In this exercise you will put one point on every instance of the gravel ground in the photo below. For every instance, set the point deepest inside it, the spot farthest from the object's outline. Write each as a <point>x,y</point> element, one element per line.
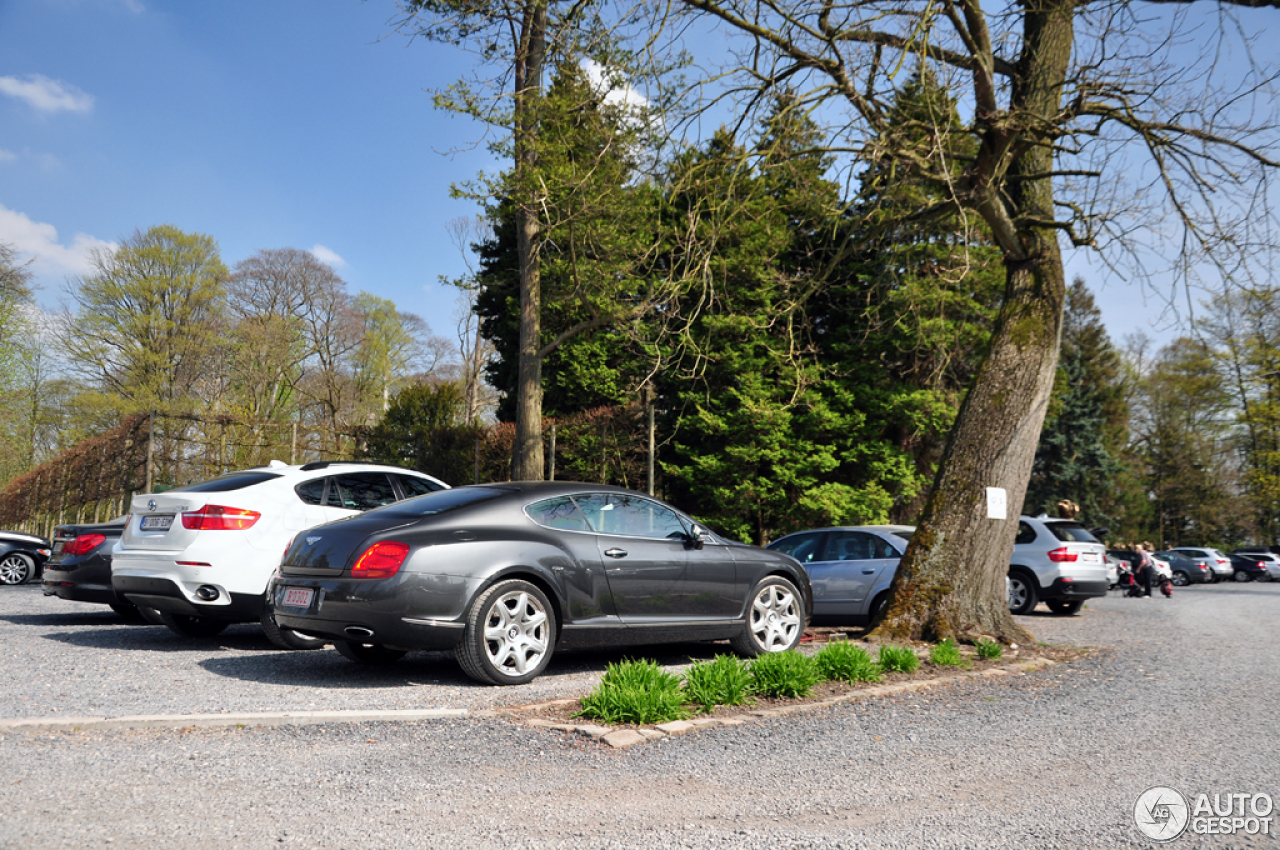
<point>1184,693</point>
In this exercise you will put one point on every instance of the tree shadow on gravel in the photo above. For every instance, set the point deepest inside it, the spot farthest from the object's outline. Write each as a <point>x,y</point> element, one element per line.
<point>160,639</point>
<point>70,618</point>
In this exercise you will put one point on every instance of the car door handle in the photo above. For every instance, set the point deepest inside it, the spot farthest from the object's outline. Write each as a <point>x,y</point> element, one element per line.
<point>616,553</point>
<point>867,572</point>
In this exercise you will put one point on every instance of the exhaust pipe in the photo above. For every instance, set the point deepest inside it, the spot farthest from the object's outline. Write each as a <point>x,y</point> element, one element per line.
<point>358,632</point>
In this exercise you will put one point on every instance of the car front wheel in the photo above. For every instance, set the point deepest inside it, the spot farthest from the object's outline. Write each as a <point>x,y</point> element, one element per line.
<point>16,568</point>
<point>775,619</point>
<point>509,635</point>
<point>1065,607</point>
<point>193,627</point>
<point>1241,576</point>
<point>1022,593</point>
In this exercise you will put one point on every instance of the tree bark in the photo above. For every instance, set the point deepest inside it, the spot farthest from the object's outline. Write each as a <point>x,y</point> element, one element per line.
<point>951,582</point>
<point>526,456</point>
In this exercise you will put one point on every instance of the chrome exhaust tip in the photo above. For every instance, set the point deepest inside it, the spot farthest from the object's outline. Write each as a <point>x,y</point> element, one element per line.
<point>358,632</point>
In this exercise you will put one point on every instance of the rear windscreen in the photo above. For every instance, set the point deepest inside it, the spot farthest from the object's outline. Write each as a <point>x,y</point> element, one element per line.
<point>1071,532</point>
<point>227,483</point>
<point>441,501</point>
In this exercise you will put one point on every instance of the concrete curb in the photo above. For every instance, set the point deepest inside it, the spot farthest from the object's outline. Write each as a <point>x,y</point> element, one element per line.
<point>251,718</point>
<point>628,737</point>
<point>616,738</point>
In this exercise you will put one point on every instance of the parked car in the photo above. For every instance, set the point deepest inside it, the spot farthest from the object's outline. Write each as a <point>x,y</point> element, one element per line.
<point>1187,570</point>
<point>1270,559</point>
<point>202,555</point>
<point>1057,561</point>
<point>1162,565</point>
<point>1219,563</point>
<point>504,574</point>
<point>1249,566</point>
<point>850,568</point>
<point>22,556</point>
<point>80,568</point>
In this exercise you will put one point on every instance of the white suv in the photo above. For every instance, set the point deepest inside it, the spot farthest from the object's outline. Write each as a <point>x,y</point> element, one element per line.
<point>202,555</point>
<point>1057,561</point>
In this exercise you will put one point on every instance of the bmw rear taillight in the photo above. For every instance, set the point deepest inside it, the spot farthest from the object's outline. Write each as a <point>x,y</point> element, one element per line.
<point>381,560</point>
<point>84,544</point>
<point>1060,555</point>
<point>219,518</point>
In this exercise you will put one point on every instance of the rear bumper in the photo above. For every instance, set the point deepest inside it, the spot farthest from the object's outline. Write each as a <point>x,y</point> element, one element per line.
<point>1067,589</point>
<point>90,582</point>
<point>167,595</point>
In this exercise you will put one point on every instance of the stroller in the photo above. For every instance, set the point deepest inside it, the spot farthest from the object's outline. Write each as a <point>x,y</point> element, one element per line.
<point>1166,586</point>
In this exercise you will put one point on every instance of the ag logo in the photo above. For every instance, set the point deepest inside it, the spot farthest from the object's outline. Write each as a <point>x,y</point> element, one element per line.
<point>151,505</point>
<point>1161,813</point>
<point>311,540</point>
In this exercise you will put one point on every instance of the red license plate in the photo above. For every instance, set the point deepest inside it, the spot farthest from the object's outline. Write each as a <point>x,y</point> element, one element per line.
<point>298,597</point>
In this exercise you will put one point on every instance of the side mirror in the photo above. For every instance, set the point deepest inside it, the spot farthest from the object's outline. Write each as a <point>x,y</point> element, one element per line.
<point>697,536</point>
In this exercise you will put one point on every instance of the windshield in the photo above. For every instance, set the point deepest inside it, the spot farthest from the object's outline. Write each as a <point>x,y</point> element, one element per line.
<point>440,501</point>
<point>227,483</point>
<point>1071,532</point>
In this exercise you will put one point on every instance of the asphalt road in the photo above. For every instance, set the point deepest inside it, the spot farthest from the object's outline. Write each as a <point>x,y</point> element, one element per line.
<point>1183,693</point>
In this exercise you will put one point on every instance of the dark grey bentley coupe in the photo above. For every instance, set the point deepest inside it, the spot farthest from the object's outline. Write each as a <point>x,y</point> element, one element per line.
<point>503,574</point>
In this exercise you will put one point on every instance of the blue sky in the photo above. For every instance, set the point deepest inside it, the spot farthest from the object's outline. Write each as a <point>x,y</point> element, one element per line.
<point>270,124</point>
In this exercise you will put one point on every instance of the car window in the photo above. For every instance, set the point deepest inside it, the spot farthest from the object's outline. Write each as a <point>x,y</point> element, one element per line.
<point>1071,532</point>
<point>227,483</point>
<point>1194,553</point>
<point>362,491</point>
<point>883,548</point>
<point>311,492</point>
<point>851,546</point>
<point>412,486</point>
<point>614,513</point>
<point>803,547</point>
<point>1026,534</point>
<point>559,512</point>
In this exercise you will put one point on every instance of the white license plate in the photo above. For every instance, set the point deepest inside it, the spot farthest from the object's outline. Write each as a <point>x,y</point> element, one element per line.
<point>298,597</point>
<point>1092,556</point>
<point>157,523</point>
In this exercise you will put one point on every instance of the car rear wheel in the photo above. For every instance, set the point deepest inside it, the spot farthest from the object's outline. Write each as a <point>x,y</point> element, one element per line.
<point>509,635</point>
<point>1065,607</point>
<point>127,610</point>
<point>1241,576</point>
<point>1022,593</point>
<point>193,627</point>
<point>775,619</point>
<point>16,568</point>
<point>369,654</point>
<point>1181,579</point>
<point>287,638</point>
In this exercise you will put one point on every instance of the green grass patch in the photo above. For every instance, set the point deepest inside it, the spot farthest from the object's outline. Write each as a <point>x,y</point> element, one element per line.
<point>989,650</point>
<point>784,674</point>
<point>845,662</point>
<point>947,654</point>
<point>636,692</point>
<point>725,680</point>
<point>898,659</point>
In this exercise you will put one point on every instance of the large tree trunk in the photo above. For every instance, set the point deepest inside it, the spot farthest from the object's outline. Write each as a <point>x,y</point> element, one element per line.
<point>526,456</point>
<point>951,582</point>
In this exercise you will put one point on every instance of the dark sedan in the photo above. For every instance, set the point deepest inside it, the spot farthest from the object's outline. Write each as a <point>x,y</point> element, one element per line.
<point>21,556</point>
<point>80,569</point>
<point>1249,567</point>
<point>503,574</point>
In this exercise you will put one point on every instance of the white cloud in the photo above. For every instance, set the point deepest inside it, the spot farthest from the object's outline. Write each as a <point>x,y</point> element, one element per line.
<point>40,241</point>
<point>46,95</point>
<point>7,156</point>
<point>328,255</point>
<point>615,90</point>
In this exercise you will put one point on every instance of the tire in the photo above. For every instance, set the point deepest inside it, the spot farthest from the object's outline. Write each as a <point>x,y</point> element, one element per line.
<point>368,654</point>
<point>1023,595</point>
<point>16,568</point>
<point>509,636</point>
<point>193,627</point>
<point>127,610</point>
<point>876,605</point>
<point>775,619</point>
<point>151,615</point>
<point>1181,579</point>
<point>1065,607</point>
<point>1240,576</point>
<point>286,638</point>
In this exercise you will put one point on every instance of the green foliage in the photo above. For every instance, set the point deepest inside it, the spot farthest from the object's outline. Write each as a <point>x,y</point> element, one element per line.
<point>725,680</point>
<point>784,674</point>
<point>846,662</point>
<point>424,430</point>
<point>898,659</point>
<point>989,650</point>
<point>947,654</point>
<point>635,692</point>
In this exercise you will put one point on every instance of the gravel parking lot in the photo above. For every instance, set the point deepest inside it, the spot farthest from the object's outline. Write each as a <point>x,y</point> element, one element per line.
<point>1184,693</point>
